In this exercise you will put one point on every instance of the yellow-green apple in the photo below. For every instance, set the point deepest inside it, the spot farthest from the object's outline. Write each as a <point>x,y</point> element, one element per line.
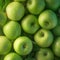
<point>23,45</point>
<point>15,11</point>
<point>43,38</point>
<point>56,46</point>
<point>12,30</point>
<point>5,45</point>
<point>3,18</point>
<point>35,6</point>
<point>53,4</point>
<point>44,54</point>
<point>30,24</point>
<point>12,56</point>
<point>47,19</point>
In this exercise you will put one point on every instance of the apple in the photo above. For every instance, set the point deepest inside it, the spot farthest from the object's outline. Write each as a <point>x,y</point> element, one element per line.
<point>23,45</point>
<point>44,54</point>
<point>56,46</point>
<point>12,56</point>
<point>35,6</point>
<point>53,4</point>
<point>43,38</point>
<point>15,11</point>
<point>30,24</point>
<point>5,45</point>
<point>12,30</point>
<point>47,19</point>
<point>3,18</point>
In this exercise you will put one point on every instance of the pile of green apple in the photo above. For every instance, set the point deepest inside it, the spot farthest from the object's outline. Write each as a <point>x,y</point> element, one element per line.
<point>30,30</point>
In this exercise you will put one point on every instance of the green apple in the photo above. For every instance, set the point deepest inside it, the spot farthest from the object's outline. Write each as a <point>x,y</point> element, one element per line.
<point>43,38</point>
<point>53,4</point>
<point>56,47</point>
<point>12,30</point>
<point>48,19</point>
<point>30,24</point>
<point>5,45</point>
<point>35,6</point>
<point>44,54</point>
<point>12,56</point>
<point>3,18</point>
<point>23,45</point>
<point>15,11</point>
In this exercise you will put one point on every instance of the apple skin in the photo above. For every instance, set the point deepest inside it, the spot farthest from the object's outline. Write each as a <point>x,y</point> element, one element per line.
<point>47,19</point>
<point>43,38</point>
<point>5,45</point>
<point>35,6</point>
<point>12,56</point>
<point>23,45</point>
<point>44,54</point>
<point>15,11</point>
<point>3,18</point>
<point>30,24</point>
<point>12,30</point>
<point>53,4</point>
<point>56,47</point>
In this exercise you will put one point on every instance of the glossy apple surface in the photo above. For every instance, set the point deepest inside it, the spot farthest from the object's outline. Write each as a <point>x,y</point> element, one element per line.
<point>15,11</point>
<point>23,45</point>
<point>56,47</point>
<point>35,6</point>
<point>12,30</point>
<point>53,4</point>
<point>43,38</point>
<point>47,19</point>
<point>5,45</point>
<point>30,24</point>
<point>12,56</point>
<point>3,18</point>
<point>44,54</point>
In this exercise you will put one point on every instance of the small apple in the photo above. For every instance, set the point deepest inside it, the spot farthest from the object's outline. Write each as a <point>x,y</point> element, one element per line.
<point>43,38</point>
<point>12,56</point>
<point>35,6</point>
<point>15,11</point>
<point>56,47</point>
<point>53,4</point>
<point>5,45</point>
<point>48,19</point>
<point>12,30</point>
<point>44,54</point>
<point>30,24</point>
<point>3,18</point>
<point>23,45</point>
